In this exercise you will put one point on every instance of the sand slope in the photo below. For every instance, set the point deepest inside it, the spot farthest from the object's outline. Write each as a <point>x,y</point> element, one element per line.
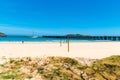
<point>77,49</point>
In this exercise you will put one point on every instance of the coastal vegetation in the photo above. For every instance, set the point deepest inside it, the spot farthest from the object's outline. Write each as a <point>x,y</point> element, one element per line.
<point>60,68</point>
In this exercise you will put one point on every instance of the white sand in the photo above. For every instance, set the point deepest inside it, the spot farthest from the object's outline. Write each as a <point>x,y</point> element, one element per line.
<point>77,49</point>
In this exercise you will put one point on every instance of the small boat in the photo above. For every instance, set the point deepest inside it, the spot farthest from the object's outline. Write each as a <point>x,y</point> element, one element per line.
<point>34,36</point>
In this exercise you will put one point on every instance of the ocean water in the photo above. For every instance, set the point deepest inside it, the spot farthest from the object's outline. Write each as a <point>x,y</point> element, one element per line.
<point>39,39</point>
<point>23,38</point>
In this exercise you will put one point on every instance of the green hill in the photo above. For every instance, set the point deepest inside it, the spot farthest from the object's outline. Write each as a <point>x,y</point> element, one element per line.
<point>60,68</point>
<point>2,34</point>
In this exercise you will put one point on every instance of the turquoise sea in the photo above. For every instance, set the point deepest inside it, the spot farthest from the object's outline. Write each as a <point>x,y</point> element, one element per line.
<point>41,39</point>
<point>34,39</point>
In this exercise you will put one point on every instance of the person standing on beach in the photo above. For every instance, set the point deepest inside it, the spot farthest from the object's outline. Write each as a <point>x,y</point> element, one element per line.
<point>22,42</point>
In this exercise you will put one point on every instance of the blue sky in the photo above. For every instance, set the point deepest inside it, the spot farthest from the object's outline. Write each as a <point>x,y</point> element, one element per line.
<point>94,17</point>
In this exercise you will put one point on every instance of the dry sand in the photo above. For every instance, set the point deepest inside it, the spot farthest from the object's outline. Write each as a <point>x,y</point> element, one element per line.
<point>93,50</point>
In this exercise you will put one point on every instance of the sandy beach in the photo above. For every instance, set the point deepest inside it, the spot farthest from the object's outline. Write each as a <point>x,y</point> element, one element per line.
<point>93,50</point>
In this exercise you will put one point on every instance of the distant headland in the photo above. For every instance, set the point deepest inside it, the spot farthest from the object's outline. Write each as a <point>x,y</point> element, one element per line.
<point>68,35</point>
<point>2,34</point>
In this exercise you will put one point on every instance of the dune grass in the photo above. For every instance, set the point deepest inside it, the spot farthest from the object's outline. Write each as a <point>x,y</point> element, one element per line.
<point>60,68</point>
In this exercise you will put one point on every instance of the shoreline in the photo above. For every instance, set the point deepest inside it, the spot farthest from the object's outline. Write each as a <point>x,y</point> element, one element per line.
<point>92,50</point>
<point>63,41</point>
